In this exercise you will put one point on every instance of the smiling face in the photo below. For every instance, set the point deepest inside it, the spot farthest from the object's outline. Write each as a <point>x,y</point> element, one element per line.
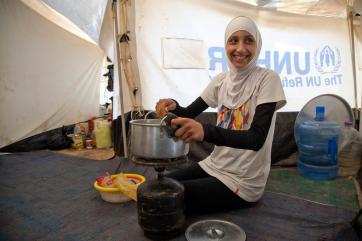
<point>240,48</point>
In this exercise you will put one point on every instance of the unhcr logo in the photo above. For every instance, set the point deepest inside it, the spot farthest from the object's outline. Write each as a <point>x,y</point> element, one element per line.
<point>327,60</point>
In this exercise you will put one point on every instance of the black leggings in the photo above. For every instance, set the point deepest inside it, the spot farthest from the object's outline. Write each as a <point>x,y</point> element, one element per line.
<point>205,193</point>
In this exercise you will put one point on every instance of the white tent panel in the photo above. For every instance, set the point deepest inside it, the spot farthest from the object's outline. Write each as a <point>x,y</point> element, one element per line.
<point>324,8</point>
<point>311,54</point>
<point>48,76</point>
<point>86,14</point>
<point>54,16</point>
<point>188,51</point>
<point>50,64</point>
<point>106,38</point>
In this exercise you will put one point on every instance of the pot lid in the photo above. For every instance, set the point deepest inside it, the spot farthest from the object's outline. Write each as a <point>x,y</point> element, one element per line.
<point>214,230</point>
<point>337,110</point>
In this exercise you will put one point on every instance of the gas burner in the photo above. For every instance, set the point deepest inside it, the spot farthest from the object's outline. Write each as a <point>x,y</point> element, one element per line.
<point>159,162</point>
<point>160,202</point>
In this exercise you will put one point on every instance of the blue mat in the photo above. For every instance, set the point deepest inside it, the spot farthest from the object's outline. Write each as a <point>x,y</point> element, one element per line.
<point>49,196</point>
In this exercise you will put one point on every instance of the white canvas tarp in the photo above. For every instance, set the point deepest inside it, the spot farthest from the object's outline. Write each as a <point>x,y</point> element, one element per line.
<point>52,52</point>
<point>178,55</point>
<point>49,76</point>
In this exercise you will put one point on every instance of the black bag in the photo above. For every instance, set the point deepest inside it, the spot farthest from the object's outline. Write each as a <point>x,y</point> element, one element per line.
<point>56,139</point>
<point>59,140</point>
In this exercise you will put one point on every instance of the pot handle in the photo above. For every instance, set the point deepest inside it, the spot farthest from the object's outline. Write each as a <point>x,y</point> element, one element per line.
<point>146,116</point>
<point>167,127</point>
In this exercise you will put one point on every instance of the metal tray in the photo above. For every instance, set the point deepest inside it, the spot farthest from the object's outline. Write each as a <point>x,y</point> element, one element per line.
<point>337,110</point>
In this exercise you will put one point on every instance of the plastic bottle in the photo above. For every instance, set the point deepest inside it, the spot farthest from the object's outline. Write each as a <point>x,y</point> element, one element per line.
<point>318,147</point>
<point>90,139</point>
<point>78,137</point>
<point>350,150</point>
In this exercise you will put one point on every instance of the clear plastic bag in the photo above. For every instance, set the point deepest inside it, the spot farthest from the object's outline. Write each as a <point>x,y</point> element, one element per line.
<point>128,187</point>
<point>102,130</point>
<point>348,135</point>
<point>350,151</point>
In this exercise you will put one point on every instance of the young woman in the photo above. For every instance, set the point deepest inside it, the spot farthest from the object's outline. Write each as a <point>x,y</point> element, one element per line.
<point>246,96</point>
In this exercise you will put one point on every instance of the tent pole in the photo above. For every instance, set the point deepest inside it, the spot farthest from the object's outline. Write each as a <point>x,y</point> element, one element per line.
<point>115,9</point>
<point>353,55</point>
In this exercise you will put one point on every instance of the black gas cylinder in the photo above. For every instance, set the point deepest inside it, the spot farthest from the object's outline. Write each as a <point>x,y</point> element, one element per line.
<point>160,205</point>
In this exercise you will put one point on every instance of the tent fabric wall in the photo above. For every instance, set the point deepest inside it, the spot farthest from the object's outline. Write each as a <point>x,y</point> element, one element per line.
<point>88,15</point>
<point>55,17</point>
<point>292,46</point>
<point>48,76</point>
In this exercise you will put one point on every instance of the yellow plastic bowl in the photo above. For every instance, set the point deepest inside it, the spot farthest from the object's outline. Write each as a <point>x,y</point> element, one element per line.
<point>115,195</point>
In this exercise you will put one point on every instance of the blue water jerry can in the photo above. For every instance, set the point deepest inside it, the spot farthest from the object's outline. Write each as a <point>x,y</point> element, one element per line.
<point>318,147</point>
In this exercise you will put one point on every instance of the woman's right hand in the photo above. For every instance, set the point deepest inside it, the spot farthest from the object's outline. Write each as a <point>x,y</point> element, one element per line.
<point>165,105</point>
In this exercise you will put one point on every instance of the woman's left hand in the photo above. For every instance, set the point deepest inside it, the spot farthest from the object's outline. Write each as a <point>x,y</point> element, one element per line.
<point>189,130</point>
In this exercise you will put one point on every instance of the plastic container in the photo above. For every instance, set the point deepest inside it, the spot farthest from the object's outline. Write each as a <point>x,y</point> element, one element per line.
<point>115,195</point>
<point>318,142</point>
<point>350,150</point>
<point>102,130</point>
<point>317,172</point>
<point>318,147</point>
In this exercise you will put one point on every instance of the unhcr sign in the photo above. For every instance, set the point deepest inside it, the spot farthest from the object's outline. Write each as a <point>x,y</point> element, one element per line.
<point>295,68</point>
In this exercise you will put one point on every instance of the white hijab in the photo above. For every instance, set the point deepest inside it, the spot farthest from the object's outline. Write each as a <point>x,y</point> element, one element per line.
<point>239,84</point>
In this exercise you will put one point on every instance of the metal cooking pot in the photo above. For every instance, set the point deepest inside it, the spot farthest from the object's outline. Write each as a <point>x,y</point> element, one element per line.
<point>152,139</point>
